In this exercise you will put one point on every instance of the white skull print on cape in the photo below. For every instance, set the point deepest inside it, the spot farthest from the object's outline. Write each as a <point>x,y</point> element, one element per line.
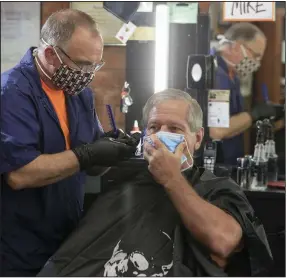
<point>137,263</point>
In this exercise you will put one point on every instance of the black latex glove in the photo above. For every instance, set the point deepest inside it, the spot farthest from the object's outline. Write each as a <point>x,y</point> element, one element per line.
<point>112,134</point>
<point>266,111</point>
<point>104,152</point>
<point>132,140</point>
<point>135,138</point>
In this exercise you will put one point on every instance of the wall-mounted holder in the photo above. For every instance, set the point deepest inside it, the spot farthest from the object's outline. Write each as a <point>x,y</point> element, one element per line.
<point>200,71</point>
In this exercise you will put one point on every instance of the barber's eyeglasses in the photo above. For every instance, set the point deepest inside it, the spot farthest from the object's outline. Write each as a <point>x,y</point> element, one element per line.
<point>255,55</point>
<point>85,68</point>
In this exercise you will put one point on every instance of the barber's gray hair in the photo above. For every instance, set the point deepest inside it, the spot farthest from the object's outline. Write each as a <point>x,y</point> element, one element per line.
<point>243,31</point>
<point>194,116</point>
<point>60,26</point>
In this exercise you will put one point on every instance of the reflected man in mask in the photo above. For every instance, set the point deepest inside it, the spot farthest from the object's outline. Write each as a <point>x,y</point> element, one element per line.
<point>239,55</point>
<point>50,138</point>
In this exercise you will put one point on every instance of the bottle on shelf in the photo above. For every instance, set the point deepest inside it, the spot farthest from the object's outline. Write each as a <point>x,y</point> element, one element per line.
<point>259,157</point>
<point>136,129</point>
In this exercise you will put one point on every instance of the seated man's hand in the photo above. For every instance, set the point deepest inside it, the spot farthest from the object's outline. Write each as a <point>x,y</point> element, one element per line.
<point>105,152</point>
<point>163,164</point>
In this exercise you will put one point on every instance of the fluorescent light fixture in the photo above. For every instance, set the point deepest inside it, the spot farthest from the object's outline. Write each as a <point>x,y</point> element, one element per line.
<point>161,47</point>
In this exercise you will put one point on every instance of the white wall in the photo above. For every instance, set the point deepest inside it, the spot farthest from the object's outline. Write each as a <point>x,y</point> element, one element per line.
<point>20,29</point>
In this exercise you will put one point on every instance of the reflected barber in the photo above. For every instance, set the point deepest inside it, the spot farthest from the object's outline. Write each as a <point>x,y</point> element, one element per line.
<point>239,55</point>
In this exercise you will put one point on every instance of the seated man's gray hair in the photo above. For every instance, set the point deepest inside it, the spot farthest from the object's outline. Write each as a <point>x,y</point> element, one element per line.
<point>194,116</point>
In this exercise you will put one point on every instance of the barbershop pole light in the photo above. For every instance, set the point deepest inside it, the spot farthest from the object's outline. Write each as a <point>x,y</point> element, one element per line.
<point>161,47</point>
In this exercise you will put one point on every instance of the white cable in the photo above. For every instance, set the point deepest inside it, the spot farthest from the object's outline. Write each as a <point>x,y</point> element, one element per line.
<point>222,40</point>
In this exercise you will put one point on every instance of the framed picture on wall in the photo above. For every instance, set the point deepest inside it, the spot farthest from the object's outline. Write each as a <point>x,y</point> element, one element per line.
<point>108,23</point>
<point>222,23</point>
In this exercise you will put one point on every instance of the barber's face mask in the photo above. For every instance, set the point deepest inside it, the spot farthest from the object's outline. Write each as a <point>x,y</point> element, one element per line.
<point>171,141</point>
<point>247,65</point>
<point>70,80</point>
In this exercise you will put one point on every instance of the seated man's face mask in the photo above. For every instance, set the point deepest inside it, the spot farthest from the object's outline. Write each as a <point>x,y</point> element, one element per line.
<point>171,141</point>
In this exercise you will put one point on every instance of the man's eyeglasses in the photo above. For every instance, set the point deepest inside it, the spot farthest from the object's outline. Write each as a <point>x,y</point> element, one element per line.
<point>85,68</point>
<point>255,55</point>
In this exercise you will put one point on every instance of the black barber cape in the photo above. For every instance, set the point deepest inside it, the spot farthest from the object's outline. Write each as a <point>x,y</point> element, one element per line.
<point>133,229</point>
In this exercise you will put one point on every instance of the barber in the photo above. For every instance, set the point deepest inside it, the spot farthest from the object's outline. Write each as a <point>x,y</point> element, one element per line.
<point>238,55</point>
<point>51,135</point>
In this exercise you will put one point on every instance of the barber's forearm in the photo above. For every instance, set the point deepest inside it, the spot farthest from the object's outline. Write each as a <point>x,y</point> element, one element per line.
<point>45,169</point>
<point>238,124</point>
<point>207,223</point>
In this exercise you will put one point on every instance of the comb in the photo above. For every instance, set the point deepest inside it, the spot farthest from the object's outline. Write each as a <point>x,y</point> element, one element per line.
<point>111,118</point>
<point>264,91</point>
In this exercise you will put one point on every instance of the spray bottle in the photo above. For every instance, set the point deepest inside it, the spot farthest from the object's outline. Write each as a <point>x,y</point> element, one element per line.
<point>136,129</point>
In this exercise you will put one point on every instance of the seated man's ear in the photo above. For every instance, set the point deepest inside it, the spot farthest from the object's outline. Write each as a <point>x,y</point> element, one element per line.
<point>199,138</point>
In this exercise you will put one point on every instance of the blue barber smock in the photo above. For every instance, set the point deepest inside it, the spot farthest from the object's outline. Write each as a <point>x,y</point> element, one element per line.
<point>232,147</point>
<point>35,222</point>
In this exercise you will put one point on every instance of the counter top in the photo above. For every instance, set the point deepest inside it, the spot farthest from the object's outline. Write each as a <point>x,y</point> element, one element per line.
<point>267,193</point>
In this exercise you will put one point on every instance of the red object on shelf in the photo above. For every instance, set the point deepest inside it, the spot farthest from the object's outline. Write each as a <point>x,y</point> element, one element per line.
<point>279,184</point>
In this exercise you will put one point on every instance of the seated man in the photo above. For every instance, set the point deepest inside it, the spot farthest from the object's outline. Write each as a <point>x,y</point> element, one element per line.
<point>171,218</point>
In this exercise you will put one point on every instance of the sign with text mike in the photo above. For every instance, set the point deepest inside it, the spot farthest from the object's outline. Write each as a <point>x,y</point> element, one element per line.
<point>248,11</point>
